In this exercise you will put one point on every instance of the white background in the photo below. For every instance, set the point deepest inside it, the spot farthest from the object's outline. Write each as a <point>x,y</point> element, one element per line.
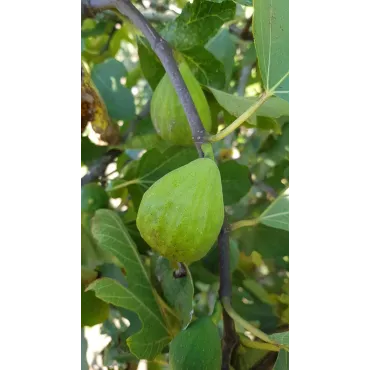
<point>40,184</point>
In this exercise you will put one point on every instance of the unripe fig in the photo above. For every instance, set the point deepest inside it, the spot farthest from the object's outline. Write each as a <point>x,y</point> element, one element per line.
<point>181,214</point>
<point>197,348</point>
<point>167,113</point>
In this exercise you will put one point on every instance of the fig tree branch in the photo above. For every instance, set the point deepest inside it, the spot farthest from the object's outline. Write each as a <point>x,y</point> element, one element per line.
<point>97,169</point>
<point>230,339</point>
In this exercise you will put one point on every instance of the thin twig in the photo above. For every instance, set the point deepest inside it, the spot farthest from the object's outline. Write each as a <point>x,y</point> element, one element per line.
<point>97,169</point>
<point>244,76</point>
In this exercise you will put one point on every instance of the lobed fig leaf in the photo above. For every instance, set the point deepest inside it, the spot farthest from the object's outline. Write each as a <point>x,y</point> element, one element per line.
<point>167,113</point>
<point>181,214</point>
<point>197,348</point>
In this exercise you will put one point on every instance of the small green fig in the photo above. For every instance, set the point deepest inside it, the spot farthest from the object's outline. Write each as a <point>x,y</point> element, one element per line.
<point>167,113</point>
<point>197,348</point>
<point>181,214</point>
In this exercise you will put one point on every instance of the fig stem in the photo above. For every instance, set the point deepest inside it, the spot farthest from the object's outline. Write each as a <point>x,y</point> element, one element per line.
<point>180,272</point>
<point>243,223</point>
<point>240,120</point>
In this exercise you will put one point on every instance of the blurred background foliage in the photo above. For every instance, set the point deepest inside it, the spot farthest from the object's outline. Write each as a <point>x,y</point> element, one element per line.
<point>254,165</point>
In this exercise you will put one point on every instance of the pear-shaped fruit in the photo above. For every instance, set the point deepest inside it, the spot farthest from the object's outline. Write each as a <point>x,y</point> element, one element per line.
<point>167,113</point>
<point>180,215</point>
<point>197,348</point>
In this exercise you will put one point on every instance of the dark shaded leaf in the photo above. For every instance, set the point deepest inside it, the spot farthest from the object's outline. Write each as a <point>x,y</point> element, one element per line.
<point>207,69</point>
<point>235,181</point>
<point>118,99</point>
<point>177,292</point>
<point>224,49</point>
<point>267,241</point>
<point>150,64</point>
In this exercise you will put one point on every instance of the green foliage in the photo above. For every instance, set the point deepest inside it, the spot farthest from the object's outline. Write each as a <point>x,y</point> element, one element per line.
<point>177,292</point>
<point>198,347</point>
<point>131,291</point>
<point>118,99</point>
<point>271,32</point>
<point>93,310</point>
<point>111,235</point>
<point>197,23</point>
<point>93,197</point>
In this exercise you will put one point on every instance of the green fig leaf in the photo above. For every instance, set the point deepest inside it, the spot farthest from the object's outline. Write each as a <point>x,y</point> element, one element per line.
<point>150,64</point>
<point>281,338</point>
<point>153,165</point>
<point>268,124</point>
<point>257,290</point>
<point>253,310</point>
<point>247,358</point>
<point>207,69</point>
<point>277,214</point>
<point>282,362</point>
<point>178,292</point>
<point>93,310</point>
<point>90,151</point>
<point>197,23</point>
<point>111,235</point>
<point>223,48</point>
<point>271,38</point>
<point>197,347</point>
<point>235,181</point>
<point>268,241</point>
<point>118,99</point>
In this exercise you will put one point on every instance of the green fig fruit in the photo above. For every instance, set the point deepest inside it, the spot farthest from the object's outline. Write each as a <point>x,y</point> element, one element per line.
<point>181,214</point>
<point>197,348</point>
<point>167,113</point>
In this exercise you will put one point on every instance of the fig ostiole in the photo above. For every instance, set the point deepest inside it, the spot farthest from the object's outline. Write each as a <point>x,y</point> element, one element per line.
<point>181,214</point>
<point>167,113</point>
